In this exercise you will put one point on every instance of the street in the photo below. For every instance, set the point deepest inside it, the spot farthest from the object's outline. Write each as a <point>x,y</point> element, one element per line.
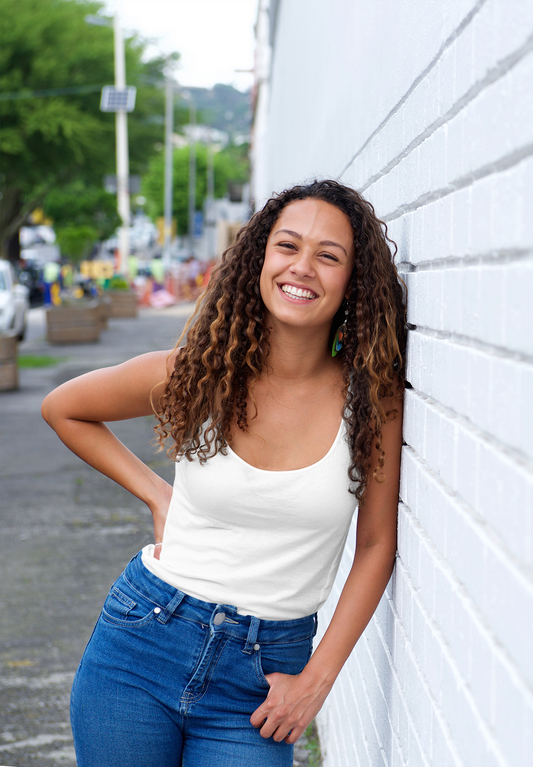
<point>67,533</point>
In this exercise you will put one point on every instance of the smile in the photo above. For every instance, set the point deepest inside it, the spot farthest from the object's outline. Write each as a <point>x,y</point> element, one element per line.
<point>299,293</point>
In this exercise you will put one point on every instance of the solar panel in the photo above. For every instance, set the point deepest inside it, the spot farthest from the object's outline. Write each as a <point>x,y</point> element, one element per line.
<point>118,99</point>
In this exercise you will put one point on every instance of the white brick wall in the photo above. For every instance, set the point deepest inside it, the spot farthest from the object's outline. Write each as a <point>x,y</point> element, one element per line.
<point>427,108</point>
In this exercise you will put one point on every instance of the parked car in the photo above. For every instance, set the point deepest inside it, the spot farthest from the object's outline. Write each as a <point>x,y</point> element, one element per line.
<point>14,303</point>
<point>32,277</point>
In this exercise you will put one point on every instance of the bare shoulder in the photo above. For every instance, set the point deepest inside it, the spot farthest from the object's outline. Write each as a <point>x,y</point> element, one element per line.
<point>114,393</point>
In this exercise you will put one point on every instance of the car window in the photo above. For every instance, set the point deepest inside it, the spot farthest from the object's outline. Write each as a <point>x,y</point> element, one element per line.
<point>2,282</point>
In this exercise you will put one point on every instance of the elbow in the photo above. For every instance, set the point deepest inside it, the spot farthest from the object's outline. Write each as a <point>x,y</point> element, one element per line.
<point>47,409</point>
<point>384,550</point>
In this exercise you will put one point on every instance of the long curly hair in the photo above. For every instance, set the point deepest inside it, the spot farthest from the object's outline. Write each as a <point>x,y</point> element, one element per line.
<point>227,339</point>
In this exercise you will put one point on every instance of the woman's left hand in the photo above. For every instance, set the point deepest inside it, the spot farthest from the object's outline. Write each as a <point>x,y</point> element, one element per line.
<point>291,705</point>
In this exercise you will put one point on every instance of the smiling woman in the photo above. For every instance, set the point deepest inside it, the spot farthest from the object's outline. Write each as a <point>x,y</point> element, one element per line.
<point>203,652</point>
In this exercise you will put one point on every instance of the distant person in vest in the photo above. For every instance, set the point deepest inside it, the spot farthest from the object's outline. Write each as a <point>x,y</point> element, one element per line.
<point>282,411</point>
<point>51,274</point>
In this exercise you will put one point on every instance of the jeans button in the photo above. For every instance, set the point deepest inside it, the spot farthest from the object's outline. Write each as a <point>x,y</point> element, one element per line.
<point>219,618</point>
<point>157,610</point>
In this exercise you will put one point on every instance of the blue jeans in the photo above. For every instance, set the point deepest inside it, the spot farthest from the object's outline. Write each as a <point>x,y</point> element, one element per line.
<point>171,681</point>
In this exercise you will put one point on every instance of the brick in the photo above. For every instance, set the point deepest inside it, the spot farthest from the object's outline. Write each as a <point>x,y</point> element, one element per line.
<point>525,422</point>
<point>506,602</point>
<point>510,731</point>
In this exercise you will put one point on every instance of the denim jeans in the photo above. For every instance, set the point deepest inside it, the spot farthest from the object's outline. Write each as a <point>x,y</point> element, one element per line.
<point>171,681</point>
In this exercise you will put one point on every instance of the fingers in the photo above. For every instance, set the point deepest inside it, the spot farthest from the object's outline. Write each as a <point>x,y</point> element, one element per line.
<point>279,719</point>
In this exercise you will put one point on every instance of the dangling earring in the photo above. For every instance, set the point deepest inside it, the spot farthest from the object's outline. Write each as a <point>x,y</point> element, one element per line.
<point>340,335</point>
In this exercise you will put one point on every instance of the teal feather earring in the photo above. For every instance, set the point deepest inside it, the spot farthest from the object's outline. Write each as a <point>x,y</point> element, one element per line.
<point>340,335</point>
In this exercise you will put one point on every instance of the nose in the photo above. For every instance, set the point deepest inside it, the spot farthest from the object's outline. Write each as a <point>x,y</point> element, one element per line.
<point>302,264</point>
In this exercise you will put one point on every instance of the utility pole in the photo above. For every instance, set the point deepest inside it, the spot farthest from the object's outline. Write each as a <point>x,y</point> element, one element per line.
<point>192,173</point>
<point>169,129</point>
<point>123,171</point>
<point>210,213</point>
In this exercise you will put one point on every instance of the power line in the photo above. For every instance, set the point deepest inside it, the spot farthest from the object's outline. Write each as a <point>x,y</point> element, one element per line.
<point>53,92</point>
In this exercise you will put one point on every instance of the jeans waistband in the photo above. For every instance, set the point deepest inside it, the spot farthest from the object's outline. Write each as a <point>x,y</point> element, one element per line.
<point>224,618</point>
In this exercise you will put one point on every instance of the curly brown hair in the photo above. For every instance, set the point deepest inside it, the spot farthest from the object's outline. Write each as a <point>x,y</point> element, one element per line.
<point>227,338</point>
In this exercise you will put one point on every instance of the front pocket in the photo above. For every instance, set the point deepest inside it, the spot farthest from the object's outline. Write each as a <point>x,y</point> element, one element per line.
<point>122,610</point>
<point>287,658</point>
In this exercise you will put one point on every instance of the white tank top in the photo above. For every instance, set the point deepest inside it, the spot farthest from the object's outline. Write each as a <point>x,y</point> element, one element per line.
<point>267,542</point>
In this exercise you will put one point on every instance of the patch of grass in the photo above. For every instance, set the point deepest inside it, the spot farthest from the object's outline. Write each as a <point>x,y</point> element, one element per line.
<point>38,361</point>
<point>312,744</point>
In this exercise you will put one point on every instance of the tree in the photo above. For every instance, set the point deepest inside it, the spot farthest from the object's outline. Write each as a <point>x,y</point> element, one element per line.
<point>82,215</point>
<point>76,242</point>
<point>78,204</point>
<point>231,164</point>
<point>52,67</point>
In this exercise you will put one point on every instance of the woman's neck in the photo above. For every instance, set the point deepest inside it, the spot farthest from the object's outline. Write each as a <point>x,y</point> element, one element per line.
<point>298,355</point>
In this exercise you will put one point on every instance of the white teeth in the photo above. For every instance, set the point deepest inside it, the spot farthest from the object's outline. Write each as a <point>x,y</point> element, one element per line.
<point>298,292</point>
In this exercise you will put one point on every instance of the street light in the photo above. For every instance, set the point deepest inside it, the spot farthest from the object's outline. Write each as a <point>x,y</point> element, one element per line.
<point>169,129</point>
<point>120,107</point>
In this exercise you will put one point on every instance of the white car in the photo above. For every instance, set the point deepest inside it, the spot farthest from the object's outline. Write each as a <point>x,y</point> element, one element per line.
<point>14,303</point>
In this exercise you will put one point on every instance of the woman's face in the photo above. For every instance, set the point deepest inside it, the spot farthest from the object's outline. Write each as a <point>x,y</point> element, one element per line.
<point>308,264</point>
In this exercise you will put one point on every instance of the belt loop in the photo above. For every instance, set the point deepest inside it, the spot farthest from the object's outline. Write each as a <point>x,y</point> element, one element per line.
<point>251,639</point>
<point>171,608</point>
<point>315,617</point>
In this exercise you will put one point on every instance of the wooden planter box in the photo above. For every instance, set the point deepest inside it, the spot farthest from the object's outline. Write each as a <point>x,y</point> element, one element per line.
<point>9,369</point>
<point>74,323</point>
<point>123,303</point>
<point>104,306</point>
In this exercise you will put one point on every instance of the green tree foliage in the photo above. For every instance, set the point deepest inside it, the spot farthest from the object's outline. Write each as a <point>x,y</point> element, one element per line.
<point>223,107</point>
<point>230,165</point>
<point>52,67</point>
<point>76,242</point>
<point>78,204</point>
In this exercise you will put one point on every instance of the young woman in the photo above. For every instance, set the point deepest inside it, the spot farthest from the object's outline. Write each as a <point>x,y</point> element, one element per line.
<point>202,653</point>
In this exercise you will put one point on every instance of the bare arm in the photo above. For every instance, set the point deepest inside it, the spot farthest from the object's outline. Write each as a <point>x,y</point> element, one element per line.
<point>293,701</point>
<point>78,409</point>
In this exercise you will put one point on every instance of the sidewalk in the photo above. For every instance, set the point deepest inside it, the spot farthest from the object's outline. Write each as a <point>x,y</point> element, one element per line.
<point>67,533</point>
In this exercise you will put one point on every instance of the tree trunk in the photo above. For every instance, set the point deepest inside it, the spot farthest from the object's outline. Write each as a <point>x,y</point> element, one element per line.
<point>11,219</point>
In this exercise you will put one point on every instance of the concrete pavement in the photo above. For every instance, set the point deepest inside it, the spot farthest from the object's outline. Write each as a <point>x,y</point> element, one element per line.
<point>67,533</point>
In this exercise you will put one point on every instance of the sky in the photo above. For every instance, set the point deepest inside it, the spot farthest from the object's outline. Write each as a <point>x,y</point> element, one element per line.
<point>214,37</point>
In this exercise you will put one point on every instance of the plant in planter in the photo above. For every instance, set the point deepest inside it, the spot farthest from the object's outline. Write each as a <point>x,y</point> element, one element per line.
<point>123,298</point>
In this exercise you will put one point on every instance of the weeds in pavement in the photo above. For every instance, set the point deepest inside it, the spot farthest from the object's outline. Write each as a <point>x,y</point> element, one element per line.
<point>312,744</point>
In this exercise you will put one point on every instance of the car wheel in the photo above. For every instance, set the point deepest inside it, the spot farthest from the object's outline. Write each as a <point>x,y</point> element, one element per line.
<point>22,333</point>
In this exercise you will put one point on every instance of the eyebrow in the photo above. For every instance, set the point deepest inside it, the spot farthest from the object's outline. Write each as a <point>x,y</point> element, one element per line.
<point>329,243</point>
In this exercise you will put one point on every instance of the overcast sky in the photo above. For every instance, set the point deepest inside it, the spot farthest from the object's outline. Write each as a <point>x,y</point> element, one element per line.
<point>214,37</point>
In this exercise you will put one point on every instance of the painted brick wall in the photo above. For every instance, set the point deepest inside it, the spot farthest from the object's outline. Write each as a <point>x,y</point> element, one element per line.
<point>427,108</point>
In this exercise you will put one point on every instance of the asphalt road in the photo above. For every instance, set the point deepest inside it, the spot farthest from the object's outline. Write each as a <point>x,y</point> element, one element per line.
<point>67,533</point>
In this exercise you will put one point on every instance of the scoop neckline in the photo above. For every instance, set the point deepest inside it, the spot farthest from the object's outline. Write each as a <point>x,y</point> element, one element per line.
<point>291,471</point>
